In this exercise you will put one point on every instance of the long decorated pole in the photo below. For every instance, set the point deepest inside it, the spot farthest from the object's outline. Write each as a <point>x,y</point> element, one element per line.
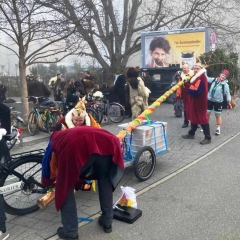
<point>137,121</point>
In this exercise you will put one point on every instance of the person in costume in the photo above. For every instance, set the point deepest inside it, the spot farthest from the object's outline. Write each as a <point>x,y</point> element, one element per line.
<point>182,92</point>
<point>197,109</point>
<point>85,153</point>
<point>219,87</point>
<point>77,117</point>
<point>137,92</point>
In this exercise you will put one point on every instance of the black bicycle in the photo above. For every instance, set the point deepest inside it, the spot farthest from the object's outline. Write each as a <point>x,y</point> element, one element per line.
<point>16,122</point>
<point>113,111</point>
<point>20,179</point>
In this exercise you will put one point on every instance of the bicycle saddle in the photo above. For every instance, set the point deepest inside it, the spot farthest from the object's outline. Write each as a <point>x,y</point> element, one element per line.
<point>10,136</point>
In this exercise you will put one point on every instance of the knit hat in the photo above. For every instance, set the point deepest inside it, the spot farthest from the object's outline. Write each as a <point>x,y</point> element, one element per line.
<point>78,111</point>
<point>132,72</point>
<point>225,72</point>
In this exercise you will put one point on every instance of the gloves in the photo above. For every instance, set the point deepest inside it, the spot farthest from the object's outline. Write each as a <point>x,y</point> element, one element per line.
<point>3,132</point>
<point>229,105</point>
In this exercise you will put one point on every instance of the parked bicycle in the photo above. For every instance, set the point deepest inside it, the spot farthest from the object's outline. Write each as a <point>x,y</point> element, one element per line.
<point>44,115</point>
<point>113,111</point>
<point>20,179</point>
<point>16,122</point>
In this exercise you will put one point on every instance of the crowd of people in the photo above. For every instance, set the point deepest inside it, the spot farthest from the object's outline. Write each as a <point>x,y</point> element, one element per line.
<point>96,153</point>
<point>200,96</point>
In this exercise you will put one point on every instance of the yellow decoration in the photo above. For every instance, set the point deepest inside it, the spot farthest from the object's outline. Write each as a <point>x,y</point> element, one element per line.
<point>94,185</point>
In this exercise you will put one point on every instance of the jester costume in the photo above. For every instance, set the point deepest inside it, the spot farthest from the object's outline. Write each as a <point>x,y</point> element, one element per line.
<point>85,153</point>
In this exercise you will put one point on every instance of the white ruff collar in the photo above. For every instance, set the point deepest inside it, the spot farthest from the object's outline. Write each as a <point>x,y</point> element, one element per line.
<point>198,75</point>
<point>68,119</point>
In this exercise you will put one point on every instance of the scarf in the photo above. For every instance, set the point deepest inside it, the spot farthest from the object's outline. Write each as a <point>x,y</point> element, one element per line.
<point>217,83</point>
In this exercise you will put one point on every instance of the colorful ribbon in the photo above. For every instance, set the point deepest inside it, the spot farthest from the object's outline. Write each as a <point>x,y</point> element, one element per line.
<point>144,115</point>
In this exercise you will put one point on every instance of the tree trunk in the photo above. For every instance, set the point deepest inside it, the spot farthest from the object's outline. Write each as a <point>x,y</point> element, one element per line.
<point>24,91</point>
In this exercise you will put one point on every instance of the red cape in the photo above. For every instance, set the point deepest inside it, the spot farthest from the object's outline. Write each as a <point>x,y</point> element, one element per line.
<point>197,107</point>
<point>74,147</point>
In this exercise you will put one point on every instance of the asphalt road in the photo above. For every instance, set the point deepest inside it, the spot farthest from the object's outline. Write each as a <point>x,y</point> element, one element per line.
<point>199,203</point>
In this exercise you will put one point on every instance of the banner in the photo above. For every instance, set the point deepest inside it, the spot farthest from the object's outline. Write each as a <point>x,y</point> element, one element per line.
<point>161,50</point>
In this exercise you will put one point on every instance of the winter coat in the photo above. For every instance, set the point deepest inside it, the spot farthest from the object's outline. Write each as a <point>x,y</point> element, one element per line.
<point>216,95</point>
<point>37,89</point>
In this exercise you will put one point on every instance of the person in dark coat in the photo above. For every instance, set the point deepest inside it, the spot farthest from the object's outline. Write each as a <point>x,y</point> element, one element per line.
<point>119,89</point>
<point>4,157</point>
<point>71,97</point>
<point>37,88</point>
<point>5,118</point>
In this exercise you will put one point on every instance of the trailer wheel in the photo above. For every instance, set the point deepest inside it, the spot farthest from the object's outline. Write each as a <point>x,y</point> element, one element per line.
<point>144,163</point>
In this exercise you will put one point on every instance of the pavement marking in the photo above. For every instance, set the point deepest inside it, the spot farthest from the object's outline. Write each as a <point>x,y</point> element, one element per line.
<point>55,237</point>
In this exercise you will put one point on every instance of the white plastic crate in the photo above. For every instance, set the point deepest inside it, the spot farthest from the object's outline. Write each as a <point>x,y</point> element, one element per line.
<point>146,135</point>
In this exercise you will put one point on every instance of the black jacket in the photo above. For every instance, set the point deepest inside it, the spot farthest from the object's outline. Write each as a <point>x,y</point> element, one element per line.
<point>37,89</point>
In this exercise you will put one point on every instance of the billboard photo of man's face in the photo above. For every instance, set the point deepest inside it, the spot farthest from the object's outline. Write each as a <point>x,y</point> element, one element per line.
<point>158,50</point>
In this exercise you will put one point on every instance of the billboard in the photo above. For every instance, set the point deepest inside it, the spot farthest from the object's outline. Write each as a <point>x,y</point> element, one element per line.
<point>160,49</point>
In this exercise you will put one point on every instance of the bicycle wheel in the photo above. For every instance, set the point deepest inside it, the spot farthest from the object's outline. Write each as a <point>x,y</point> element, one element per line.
<point>32,123</point>
<point>93,113</point>
<point>24,200</point>
<point>51,121</point>
<point>144,163</point>
<point>116,112</point>
<point>99,111</point>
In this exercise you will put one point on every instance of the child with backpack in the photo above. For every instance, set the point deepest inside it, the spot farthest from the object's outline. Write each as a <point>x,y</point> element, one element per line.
<point>218,88</point>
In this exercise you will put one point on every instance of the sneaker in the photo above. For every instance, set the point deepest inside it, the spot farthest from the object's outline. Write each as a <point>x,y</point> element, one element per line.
<point>106,228</point>
<point>4,236</point>
<point>205,141</point>
<point>188,136</point>
<point>62,235</point>
<point>217,132</point>
<point>185,125</point>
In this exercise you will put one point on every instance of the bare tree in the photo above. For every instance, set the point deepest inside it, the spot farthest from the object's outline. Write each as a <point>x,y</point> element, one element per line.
<point>37,33</point>
<point>112,28</point>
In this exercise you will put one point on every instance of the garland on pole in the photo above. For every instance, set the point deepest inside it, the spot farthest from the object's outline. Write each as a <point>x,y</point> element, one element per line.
<point>144,115</point>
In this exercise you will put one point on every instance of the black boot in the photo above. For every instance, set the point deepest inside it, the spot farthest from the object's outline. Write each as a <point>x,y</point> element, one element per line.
<point>185,124</point>
<point>206,132</point>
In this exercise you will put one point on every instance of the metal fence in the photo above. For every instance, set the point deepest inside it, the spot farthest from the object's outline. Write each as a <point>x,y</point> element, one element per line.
<point>13,85</point>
